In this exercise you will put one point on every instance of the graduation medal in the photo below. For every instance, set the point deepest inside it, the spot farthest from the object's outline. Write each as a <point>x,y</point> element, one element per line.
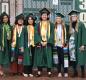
<point>19,31</point>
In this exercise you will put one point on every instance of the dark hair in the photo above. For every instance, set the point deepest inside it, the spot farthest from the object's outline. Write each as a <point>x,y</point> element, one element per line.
<point>27,18</point>
<point>2,15</point>
<point>41,17</point>
<point>16,21</point>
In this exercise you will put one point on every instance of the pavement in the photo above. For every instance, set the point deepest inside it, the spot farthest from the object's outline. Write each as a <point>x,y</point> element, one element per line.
<point>44,76</point>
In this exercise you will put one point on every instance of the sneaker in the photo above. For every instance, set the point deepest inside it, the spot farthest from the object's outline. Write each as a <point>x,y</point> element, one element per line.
<point>38,74</point>
<point>66,75</point>
<point>83,75</point>
<point>59,75</point>
<point>49,74</point>
<point>30,75</point>
<point>25,75</point>
<point>75,74</point>
<point>2,73</point>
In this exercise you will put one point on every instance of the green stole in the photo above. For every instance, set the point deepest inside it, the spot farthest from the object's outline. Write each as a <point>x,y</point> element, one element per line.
<point>6,29</point>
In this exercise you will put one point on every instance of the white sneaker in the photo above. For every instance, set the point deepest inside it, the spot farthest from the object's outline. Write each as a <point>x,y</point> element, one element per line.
<point>25,75</point>
<point>66,75</point>
<point>49,73</point>
<point>30,75</point>
<point>1,73</point>
<point>39,73</point>
<point>59,75</point>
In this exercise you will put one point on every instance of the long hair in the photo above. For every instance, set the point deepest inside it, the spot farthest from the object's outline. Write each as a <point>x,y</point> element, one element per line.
<point>63,30</point>
<point>41,17</point>
<point>16,21</point>
<point>26,20</point>
<point>70,25</point>
<point>62,23</point>
<point>1,21</point>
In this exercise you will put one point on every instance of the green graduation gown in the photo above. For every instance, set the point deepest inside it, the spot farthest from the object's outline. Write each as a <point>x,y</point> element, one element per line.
<point>73,46</point>
<point>19,44</point>
<point>27,61</point>
<point>67,33</point>
<point>16,54</point>
<point>43,55</point>
<point>81,41</point>
<point>5,53</point>
<point>73,58</point>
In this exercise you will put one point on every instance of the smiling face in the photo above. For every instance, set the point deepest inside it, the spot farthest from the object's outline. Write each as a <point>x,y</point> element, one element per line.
<point>44,16</point>
<point>5,19</point>
<point>30,21</point>
<point>58,20</point>
<point>20,21</point>
<point>74,18</point>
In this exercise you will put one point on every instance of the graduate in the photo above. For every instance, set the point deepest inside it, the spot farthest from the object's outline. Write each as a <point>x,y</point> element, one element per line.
<point>59,43</point>
<point>29,33</point>
<point>74,26</point>
<point>81,48</point>
<point>44,41</point>
<point>5,41</point>
<point>17,45</point>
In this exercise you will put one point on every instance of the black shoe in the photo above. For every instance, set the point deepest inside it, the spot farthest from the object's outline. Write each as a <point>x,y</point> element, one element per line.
<point>83,75</point>
<point>38,74</point>
<point>75,74</point>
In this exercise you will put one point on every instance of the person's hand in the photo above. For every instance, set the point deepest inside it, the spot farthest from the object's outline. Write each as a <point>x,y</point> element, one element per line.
<point>44,43</point>
<point>82,48</point>
<point>63,45</point>
<point>21,49</point>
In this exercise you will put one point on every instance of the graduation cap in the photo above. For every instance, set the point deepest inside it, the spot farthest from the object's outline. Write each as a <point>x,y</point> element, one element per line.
<point>59,15</point>
<point>4,14</point>
<point>32,16</point>
<point>44,10</point>
<point>21,16</point>
<point>74,12</point>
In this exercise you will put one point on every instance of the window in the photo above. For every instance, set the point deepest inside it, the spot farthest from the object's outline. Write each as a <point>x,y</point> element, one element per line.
<point>5,8</point>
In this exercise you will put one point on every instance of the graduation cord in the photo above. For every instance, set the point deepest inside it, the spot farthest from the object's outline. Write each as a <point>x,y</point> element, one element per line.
<point>30,36</point>
<point>5,28</point>
<point>47,31</point>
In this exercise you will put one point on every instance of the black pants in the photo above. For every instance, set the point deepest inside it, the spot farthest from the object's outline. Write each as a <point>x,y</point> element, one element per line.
<point>28,69</point>
<point>40,69</point>
<point>61,60</point>
<point>74,66</point>
<point>82,70</point>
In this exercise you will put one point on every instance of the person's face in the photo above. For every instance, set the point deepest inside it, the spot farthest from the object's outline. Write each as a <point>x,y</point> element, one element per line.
<point>58,20</point>
<point>20,22</point>
<point>30,21</point>
<point>44,16</point>
<point>74,18</point>
<point>5,19</point>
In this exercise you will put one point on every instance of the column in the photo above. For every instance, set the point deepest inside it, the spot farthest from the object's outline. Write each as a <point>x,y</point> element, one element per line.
<point>12,11</point>
<point>19,7</point>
